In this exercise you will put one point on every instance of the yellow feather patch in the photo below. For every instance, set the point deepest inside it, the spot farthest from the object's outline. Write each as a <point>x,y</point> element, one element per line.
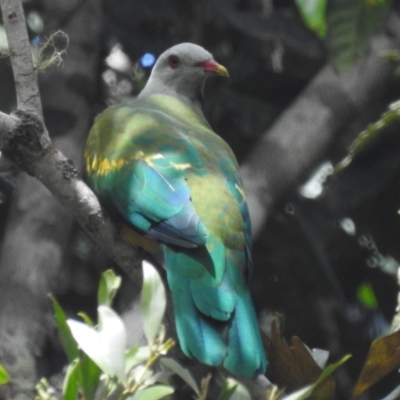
<point>241,191</point>
<point>181,167</point>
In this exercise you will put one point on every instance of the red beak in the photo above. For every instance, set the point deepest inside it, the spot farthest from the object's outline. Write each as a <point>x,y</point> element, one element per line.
<point>212,67</point>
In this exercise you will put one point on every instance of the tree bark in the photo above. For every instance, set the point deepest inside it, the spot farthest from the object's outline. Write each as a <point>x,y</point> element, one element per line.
<point>38,227</point>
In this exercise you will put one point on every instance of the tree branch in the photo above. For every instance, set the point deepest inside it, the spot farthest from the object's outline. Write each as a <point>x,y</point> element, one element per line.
<point>27,89</point>
<point>27,143</point>
<point>302,135</point>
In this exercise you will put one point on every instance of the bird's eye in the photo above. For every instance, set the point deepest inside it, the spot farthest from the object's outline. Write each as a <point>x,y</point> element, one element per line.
<point>174,62</point>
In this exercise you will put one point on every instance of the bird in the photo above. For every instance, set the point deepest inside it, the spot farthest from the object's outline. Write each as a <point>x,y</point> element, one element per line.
<point>158,167</point>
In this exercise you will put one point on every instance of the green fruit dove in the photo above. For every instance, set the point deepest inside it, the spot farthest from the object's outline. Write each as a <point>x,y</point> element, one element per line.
<point>159,168</point>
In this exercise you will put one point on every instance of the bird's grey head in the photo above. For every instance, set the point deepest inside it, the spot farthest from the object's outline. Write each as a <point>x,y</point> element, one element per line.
<point>182,70</point>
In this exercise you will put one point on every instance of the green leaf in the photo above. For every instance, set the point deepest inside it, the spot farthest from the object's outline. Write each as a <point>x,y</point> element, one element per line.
<point>71,381</point>
<point>108,287</point>
<point>301,394</point>
<point>234,390</point>
<point>4,377</point>
<point>366,294</point>
<point>386,119</point>
<point>183,373</point>
<point>105,346</point>
<point>86,318</point>
<point>89,377</point>
<point>67,340</point>
<point>153,302</point>
<point>153,393</point>
<point>313,13</point>
<point>351,24</point>
<point>136,355</point>
<point>240,393</point>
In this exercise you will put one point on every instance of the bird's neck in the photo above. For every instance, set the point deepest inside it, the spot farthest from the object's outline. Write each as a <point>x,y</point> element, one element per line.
<point>177,107</point>
<point>194,96</point>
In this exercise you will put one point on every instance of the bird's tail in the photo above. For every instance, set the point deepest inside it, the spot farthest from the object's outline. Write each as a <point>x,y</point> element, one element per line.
<point>234,342</point>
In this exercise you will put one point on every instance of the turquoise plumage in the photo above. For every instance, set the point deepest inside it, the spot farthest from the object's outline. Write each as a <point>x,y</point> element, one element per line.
<point>157,166</point>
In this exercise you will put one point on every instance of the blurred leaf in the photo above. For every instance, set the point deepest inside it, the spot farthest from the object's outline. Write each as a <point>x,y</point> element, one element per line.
<point>45,390</point>
<point>4,377</point>
<point>71,381</point>
<point>89,377</point>
<point>383,357</point>
<point>136,355</point>
<point>309,391</point>
<point>67,340</point>
<point>301,394</point>
<point>320,356</point>
<point>313,13</point>
<point>391,55</point>
<point>234,390</point>
<point>86,318</point>
<point>159,377</point>
<point>183,373</point>
<point>108,287</point>
<point>140,374</point>
<point>294,367</point>
<point>3,41</point>
<point>366,294</point>
<point>351,24</point>
<point>35,22</point>
<point>153,301</point>
<point>393,114</point>
<point>105,346</point>
<point>152,393</point>
<point>228,389</point>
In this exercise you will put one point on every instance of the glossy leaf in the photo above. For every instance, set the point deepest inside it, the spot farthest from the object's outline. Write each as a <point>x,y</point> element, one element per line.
<point>153,393</point>
<point>313,13</point>
<point>105,346</point>
<point>71,381</point>
<point>90,374</point>
<point>383,357</point>
<point>67,340</point>
<point>153,301</point>
<point>108,287</point>
<point>183,373</point>
<point>4,377</point>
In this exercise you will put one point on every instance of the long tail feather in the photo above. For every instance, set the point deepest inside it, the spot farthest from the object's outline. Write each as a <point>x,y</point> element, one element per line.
<point>245,355</point>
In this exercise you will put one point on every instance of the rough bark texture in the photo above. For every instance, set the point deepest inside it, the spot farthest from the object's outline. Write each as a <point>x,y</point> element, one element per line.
<point>28,96</point>
<point>38,227</point>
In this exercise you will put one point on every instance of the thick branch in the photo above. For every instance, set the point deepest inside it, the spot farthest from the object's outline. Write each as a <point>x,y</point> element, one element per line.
<point>28,97</point>
<point>27,148</point>
<point>302,135</point>
<point>27,143</point>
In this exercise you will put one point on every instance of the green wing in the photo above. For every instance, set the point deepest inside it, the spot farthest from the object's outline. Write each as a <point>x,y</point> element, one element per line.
<point>159,166</point>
